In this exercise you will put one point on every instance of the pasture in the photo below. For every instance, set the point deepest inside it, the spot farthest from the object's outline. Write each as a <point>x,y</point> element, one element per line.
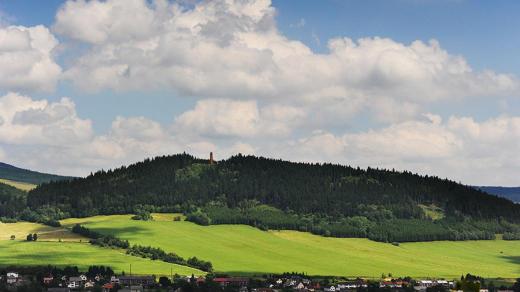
<point>73,250</point>
<point>244,249</point>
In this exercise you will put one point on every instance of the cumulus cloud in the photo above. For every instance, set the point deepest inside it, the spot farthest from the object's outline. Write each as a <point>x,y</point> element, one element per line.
<point>50,136</point>
<point>233,49</point>
<point>225,117</point>
<point>459,148</point>
<point>256,91</point>
<point>26,59</point>
<point>28,121</point>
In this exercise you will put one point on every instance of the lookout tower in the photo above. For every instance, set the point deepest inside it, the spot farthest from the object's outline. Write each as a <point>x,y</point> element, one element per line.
<point>211,161</point>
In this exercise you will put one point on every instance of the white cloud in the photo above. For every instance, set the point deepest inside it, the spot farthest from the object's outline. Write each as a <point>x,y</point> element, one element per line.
<point>220,118</point>
<point>26,59</point>
<point>459,148</point>
<point>225,117</point>
<point>49,136</point>
<point>27,121</point>
<point>233,49</point>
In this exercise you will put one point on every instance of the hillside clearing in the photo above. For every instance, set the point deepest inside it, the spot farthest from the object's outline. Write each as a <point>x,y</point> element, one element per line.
<point>239,248</point>
<point>19,185</point>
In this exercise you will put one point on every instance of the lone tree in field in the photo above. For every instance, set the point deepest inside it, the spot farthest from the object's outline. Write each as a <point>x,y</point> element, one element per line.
<point>29,237</point>
<point>35,237</point>
<point>13,237</point>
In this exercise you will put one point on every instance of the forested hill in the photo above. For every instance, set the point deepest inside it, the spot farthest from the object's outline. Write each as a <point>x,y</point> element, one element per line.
<point>333,190</point>
<point>10,172</point>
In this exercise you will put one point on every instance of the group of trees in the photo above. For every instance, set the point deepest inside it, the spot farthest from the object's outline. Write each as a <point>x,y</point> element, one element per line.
<point>141,251</point>
<point>100,239</point>
<point>155,253</point>
<point>326,199</point>
<point>142,215</point>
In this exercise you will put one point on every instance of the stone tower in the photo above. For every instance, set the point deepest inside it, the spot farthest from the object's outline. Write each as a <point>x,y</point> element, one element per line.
<point>211,161</point>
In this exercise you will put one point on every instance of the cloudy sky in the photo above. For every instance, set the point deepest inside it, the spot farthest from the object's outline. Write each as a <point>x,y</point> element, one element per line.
<point>422,85</point>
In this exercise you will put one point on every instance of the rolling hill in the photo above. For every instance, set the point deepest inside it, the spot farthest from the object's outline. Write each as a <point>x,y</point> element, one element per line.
<point>325,199</point>
<point>60,247</point>
<point>13,173</point>
<point>241,249</point>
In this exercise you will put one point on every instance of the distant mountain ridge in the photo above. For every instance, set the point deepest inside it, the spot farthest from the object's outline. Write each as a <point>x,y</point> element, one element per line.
<point>14,173</point>
<point>511,193</point>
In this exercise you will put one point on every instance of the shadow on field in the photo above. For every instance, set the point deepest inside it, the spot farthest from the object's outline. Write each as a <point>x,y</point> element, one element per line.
<point>512,259</point>
<point>117,231</point>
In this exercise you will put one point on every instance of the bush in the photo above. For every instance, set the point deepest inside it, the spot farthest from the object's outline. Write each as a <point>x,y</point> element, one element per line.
<point>511,236</point>
<point>100,239</point>
<point>143,215</point>
<point>52,223</point>
<point>8,220</point>
<point>199,217</point>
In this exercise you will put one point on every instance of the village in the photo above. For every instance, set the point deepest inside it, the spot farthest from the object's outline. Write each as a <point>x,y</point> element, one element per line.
<point>103,279</point>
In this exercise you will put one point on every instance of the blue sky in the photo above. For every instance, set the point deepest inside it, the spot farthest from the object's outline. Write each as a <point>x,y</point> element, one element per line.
<point>446,102</point>
<point>484,32</point>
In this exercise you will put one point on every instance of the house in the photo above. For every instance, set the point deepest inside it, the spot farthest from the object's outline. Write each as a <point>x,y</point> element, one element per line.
<point>349,285</point>
<point>76,282</point>
<point>83,278</point>
<point>114,280</point>
<point>108,287</point>
<point>145,281</point>
<point>48,279</point>
<point>12,278</point>
<point>330,289</point>
<point>231,281</point>
<point>299,286</point>
<point>89,284</point>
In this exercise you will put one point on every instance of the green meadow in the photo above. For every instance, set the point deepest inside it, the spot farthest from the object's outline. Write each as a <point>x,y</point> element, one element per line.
<point>73,250</point>
<point>244,249</point>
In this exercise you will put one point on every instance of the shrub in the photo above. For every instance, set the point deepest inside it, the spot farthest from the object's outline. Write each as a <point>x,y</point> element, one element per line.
<point>199,217</point>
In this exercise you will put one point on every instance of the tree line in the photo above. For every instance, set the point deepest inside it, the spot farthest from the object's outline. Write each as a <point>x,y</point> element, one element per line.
<point>327,199</point>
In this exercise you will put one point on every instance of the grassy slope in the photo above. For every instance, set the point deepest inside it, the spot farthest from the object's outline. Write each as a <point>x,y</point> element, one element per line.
<point>234,248</point>
<point>19,185</point>
<point>47,250</point>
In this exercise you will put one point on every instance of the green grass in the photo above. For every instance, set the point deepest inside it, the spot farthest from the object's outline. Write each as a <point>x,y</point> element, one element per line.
<point>239,248</point>
<point>19,185</point>
<point>82,255</point>
<point>45,233</point>
<point>74,250</point>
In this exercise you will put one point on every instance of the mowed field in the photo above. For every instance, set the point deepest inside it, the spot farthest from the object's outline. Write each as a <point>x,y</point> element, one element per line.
<point>239,248</point>
<point>74,250</point>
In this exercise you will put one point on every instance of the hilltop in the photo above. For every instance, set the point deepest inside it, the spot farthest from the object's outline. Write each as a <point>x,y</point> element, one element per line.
<point>13,173</point>
<point>325,199</point>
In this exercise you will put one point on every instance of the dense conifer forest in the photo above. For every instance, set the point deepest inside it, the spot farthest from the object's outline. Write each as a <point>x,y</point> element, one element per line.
<point>326,199</point>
